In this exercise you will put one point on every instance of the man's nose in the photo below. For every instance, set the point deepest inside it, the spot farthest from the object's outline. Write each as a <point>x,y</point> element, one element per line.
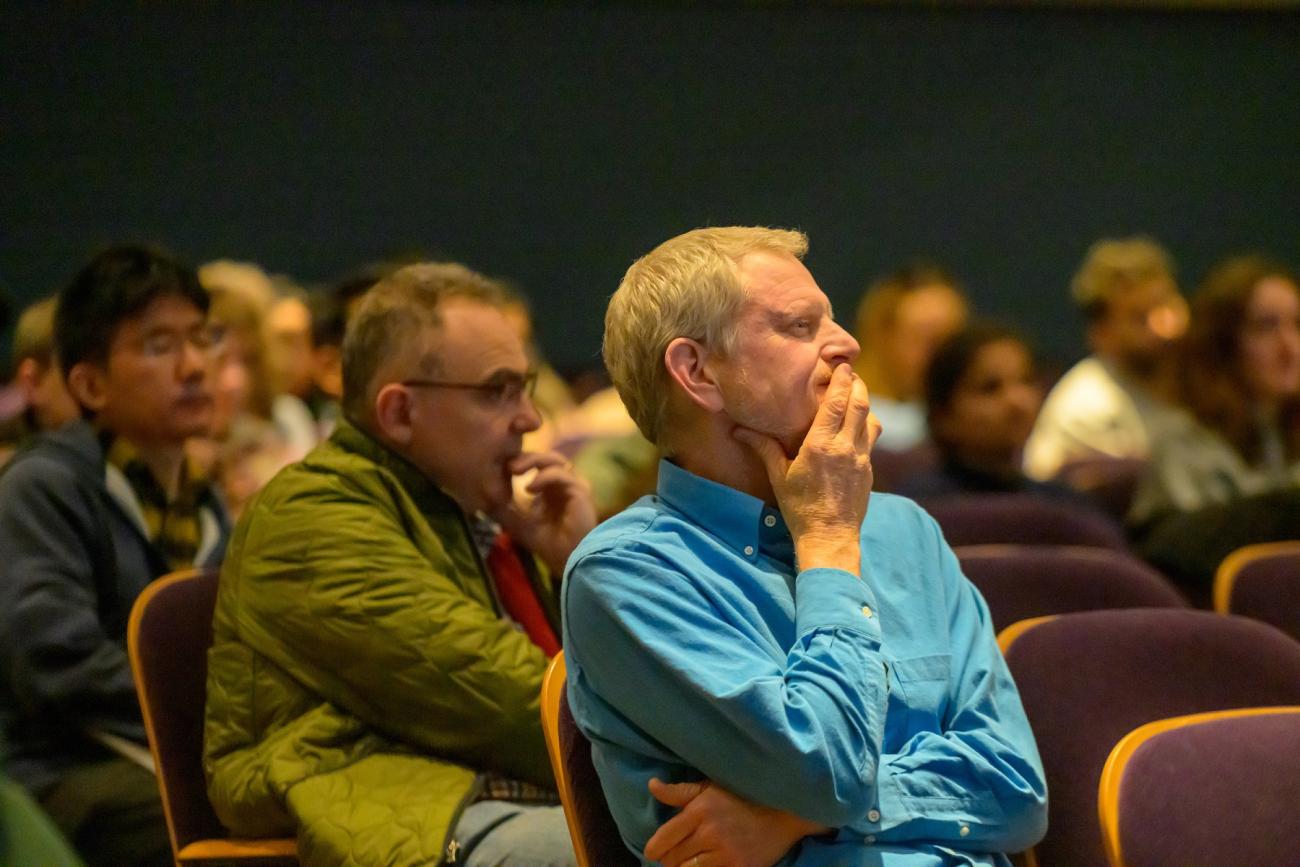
<point>194,362</point>
<point>527,417</point>
<point>842,347</point>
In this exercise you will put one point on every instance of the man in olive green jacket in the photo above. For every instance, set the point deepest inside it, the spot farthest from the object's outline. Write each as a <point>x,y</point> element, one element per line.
<point>373,686</point>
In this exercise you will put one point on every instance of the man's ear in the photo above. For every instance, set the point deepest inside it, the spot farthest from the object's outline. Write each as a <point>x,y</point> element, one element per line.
<point>27,377</point>
<point>393,413</point>
<point>88,385</point>
<point>687,363</point>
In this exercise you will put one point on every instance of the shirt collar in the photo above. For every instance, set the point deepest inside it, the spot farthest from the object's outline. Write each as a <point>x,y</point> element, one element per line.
<point>741,522</point>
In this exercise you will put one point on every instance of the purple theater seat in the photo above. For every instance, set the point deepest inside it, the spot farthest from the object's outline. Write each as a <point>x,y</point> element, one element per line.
<point>604,845</point>
<point>168,638</point>
<point>1206,789</point>
<point>1022,519</point>
<point>1263,582</point>
<point>1087,679</point>
<point>1023,581</point>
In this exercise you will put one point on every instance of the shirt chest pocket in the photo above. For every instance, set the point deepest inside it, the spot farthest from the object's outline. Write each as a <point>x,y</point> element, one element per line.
<point>918,696</point>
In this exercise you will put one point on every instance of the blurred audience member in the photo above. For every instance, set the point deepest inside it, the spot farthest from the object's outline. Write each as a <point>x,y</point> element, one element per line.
<point>288,327</point>
<point>330,310</point>
<point>89,515</point>
<point>38,379</point>
<point>620,470</point>
<point>982,396</point>
<point>246,278</point>
<point>901,319</point>
<point>248,443</point>
<point>388,607</point>
<point>1225,463</point>
<point>1099,409</point>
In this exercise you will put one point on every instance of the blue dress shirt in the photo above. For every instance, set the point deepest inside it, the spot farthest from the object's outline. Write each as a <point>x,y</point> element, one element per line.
<point>878,706</point>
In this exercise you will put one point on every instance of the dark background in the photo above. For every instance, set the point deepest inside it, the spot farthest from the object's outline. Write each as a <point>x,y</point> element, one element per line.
<point>552,144</point>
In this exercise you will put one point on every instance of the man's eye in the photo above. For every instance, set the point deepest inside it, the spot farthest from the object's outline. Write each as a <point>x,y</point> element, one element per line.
<point>159,344</point>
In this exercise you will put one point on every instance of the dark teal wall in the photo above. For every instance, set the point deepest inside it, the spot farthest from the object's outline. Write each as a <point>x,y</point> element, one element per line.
<point>555,143</point>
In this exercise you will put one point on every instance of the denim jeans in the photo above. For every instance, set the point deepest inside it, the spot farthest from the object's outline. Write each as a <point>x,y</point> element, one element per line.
<point>506,834</point>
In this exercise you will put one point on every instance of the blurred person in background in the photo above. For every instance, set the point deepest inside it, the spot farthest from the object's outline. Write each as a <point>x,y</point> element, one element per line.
<point>1225,460</point>
<point>982,396</point>
<point>89,515</point>
<point>38,378</point>
<point>1099,409</point>
<point>330,309</point>
<point>247,444</point>
<point>902,318</point>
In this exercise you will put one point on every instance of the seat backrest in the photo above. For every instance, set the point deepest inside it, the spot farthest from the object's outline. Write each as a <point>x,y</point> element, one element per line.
<point>1108,482</point>
<point>168,639</point>
<point>1263,582</point>
<point>1022,519</point>
<point>596,840</point>
<point>1089,678</point>
<point>1213,788</point>
<point>1022,581</point>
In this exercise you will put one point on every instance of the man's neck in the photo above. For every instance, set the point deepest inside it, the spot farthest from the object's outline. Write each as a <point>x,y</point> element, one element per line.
<point>712,453</point>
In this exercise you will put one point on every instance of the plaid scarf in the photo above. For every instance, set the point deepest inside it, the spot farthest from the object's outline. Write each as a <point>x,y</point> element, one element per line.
<point>172,526</point>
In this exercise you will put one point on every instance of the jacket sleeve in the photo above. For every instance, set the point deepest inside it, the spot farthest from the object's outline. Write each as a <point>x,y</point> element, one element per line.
<point>801,733</point>
<point>56,653</point>
<point>334,591</point>
<point>977,784</point>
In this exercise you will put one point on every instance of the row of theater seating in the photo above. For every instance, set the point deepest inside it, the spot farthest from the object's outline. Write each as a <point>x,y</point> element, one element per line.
<point>1029,556</point>
<point>1081,696</point>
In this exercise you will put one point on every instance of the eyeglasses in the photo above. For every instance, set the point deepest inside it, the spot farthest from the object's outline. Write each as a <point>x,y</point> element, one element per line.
<point>501,392</point>
<point>206,339</point>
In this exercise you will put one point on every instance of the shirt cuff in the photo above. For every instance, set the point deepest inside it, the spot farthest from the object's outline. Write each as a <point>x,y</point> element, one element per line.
<point>832,598</point>
<point>889,810</point>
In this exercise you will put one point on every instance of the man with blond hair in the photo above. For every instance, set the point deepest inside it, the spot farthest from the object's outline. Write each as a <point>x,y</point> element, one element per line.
<point>388,608</point>
<point>767,673</point>
<point>1126,292</point>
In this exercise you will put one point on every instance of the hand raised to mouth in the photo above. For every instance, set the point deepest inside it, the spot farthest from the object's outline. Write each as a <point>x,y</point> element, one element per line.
<point>559,514</point>
<point>824,490</point>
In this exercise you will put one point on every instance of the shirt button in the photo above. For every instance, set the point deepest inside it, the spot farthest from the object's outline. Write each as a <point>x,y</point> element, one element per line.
<point>769,521</point>
<point>870,838</point>
<point>749,550</point>
<point>873,816</point>
<point>866,609</point>
<point>965,830</point>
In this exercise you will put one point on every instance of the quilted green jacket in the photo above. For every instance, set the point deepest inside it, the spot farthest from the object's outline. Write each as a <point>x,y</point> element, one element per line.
<point>361,678</point>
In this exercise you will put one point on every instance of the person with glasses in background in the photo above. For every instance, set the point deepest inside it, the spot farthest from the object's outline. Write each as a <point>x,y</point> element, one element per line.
<point>89,515</point>
<point>390,603</point>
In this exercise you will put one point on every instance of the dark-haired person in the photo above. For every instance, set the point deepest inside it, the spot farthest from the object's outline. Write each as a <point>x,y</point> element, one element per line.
<point>902,318</point>
<point>982,396</point>
<point>387,608</point>
<point>1225,464</point>
<point>89,515</point>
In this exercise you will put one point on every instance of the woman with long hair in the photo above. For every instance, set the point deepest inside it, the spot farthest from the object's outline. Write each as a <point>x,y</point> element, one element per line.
<point>1225,463</point>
